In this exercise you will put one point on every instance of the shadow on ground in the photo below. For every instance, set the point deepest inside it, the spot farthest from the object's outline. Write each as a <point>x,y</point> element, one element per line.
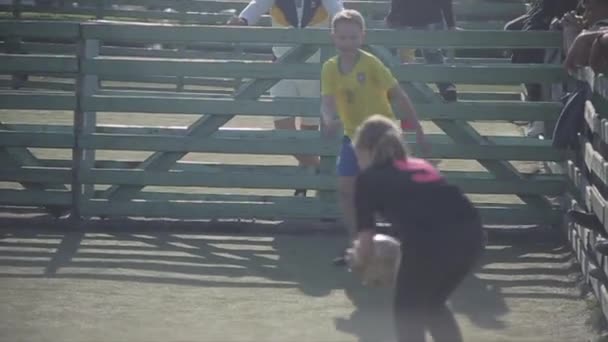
<point>533,269</point>
<point>284,261</point>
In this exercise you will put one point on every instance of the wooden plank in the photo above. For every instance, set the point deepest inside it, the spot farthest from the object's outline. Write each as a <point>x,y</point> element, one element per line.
<point>37,101</point>
<point>473,74</point>
<point>39,29</point>
<point>36,175</point>
<point>313,147</point>
<point>34,197</point>
<point>596,163</point>
<point>49,48</point>
<point>294,171</point>
<point>598,83</point>
<point>258,133</point>
<point>592,118</point>
<point>276,180</point>
<point>580,183</point>
<point>85,121</point>
<point>29,84</point>
<point>218,198</point>
<point>70,49</point>
<point>46,140</point>
<point>209,124</point>
<point>604,130</point>
<point>462,110</point>
<point>17,157</point>
<point>32,63</point>
<point>140,32</point>
<point>598,204</point>
<point>510,215</point>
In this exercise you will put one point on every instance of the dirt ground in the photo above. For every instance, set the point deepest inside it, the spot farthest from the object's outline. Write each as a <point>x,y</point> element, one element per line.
<point>164,285</point>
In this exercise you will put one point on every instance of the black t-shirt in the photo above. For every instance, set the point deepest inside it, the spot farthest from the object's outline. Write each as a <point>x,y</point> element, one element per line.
<point>413,196</point>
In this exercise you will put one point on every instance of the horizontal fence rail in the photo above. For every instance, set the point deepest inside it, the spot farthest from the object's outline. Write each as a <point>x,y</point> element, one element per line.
<point>128,151</point>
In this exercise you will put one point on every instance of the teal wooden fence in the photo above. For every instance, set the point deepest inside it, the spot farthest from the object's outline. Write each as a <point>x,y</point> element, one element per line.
<point>138,169</point>
<point>471,14</point>
<point>588,172</point>
<point>213,12</point>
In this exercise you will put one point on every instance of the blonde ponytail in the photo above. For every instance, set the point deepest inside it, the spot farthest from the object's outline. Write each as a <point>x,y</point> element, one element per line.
<point>382,138</point>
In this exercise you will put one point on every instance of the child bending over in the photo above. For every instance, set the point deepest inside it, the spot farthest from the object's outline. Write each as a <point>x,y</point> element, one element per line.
<point>439,229</point>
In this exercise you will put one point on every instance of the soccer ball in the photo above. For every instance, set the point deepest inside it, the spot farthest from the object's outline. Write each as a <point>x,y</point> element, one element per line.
<point>381,270</point>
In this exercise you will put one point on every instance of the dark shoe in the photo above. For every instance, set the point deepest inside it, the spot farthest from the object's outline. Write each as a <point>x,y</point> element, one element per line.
<point>450,95</point>
<point>601,247</point>
<point>300,192</point>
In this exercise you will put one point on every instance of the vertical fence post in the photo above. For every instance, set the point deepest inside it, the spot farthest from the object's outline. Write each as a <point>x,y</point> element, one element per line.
<point>13,45</point>
<point>181,48</point>
<point>83,160</point>
<point>99,9</point>
<point>552,91</point>
<point>17,9</point>
<point>327,163</point>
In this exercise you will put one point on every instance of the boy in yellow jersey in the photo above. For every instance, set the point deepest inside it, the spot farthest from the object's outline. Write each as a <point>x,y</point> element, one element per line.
<point>354,86</point>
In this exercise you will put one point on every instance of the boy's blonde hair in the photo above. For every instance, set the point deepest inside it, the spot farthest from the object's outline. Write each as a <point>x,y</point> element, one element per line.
<point>382,137</point>
<point>348,16</point>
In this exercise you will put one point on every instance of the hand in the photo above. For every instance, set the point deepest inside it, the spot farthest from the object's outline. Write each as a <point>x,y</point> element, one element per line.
<point>237,21</point>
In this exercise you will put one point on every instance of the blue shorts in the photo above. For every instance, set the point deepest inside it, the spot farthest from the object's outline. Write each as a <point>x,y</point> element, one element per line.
<point>348,166</point>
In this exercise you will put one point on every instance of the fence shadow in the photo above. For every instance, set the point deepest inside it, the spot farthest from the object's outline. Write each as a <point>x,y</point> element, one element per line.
<point>540,271</point>
<point>168,257</point>
<point>303,262</point>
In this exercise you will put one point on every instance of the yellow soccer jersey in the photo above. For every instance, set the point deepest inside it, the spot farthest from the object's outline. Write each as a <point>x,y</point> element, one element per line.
<point>360,93</point>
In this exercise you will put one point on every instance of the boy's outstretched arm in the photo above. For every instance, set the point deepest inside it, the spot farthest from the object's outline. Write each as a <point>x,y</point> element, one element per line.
<point>329,115</point>
<point>405,104</point>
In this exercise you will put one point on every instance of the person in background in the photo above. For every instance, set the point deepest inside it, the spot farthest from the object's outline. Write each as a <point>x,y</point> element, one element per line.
<point>439,229</point>
<point>298,14</point>
<point>425,15</point>
<point>582,32</point>
<point>538,18</point>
